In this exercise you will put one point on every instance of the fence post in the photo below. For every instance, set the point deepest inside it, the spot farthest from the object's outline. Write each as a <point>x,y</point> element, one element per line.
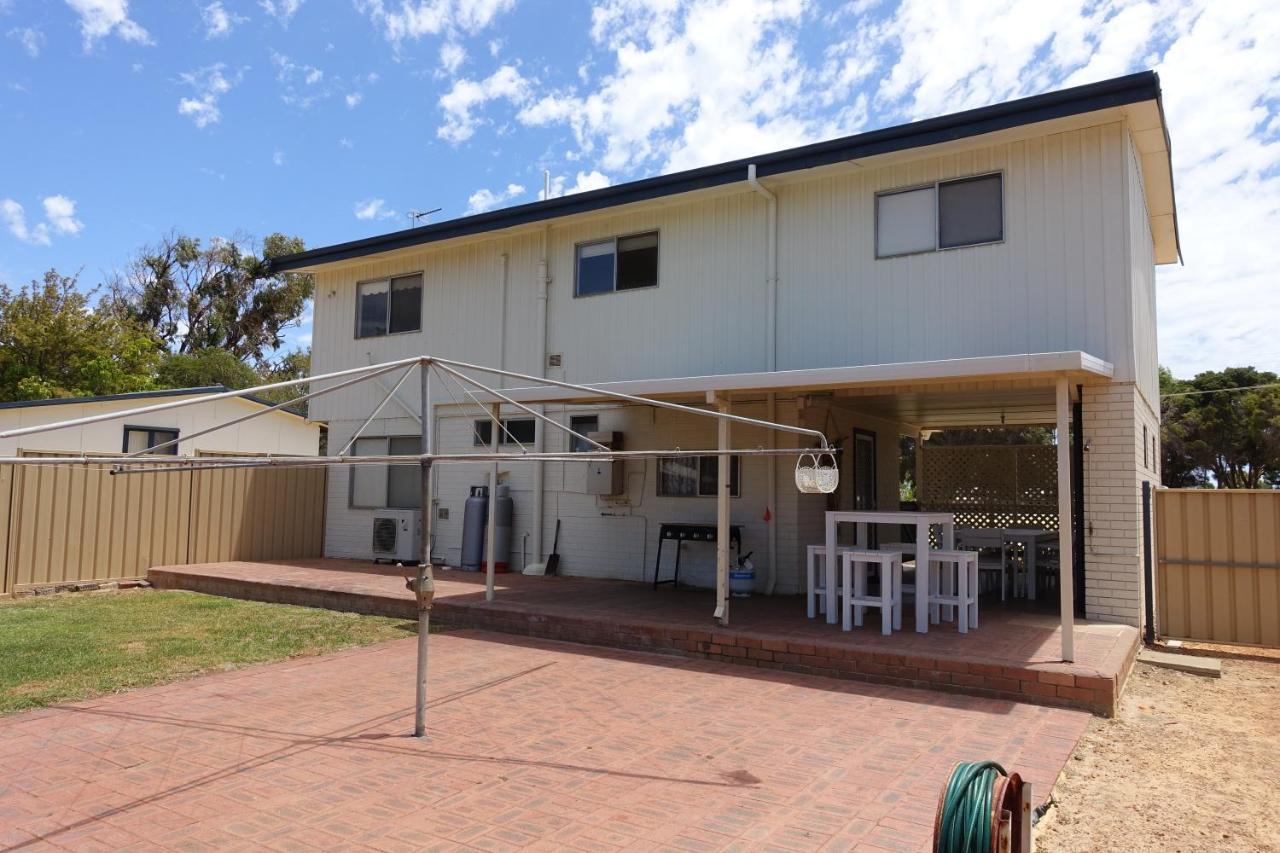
<point>1149,629</point>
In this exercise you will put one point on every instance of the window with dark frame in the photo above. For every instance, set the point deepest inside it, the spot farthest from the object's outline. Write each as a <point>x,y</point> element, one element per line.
<point>389,306</point>
<point>583,425</point>
<point>694,476</point>
<point>514,431</point>
<point>944,215</point>
<point>619,263</point>
<point>386,486</point>
<point>140,438</point>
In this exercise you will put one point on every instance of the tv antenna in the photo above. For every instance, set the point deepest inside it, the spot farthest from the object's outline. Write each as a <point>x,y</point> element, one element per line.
<point>415,215</point>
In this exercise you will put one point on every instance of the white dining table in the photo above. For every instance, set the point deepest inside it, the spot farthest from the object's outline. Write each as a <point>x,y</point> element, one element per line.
<point>922,521</point>
<point>1030,538</point>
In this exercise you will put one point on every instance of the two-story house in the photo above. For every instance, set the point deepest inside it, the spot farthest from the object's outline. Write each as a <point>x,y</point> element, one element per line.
<point>952,272</point>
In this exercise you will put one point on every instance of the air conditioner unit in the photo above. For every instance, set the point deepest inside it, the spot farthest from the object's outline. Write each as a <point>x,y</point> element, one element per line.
<point>397,535</point>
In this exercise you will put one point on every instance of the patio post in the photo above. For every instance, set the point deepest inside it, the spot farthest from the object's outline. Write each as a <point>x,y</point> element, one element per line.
<point>490,538</point>
<point>1066,573</point>
<point>424,588</point>
<point>723,469</point>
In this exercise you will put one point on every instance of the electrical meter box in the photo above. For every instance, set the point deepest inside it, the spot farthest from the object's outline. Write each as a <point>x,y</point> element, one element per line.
<point>603,477</point>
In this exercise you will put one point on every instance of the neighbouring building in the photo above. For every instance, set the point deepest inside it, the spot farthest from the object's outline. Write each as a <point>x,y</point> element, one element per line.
<point>279,432</point>
<point>953,272</point>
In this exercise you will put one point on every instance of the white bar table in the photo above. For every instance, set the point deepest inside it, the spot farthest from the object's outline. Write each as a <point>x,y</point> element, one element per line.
<point>922,521</point>
<point>1031,538</point>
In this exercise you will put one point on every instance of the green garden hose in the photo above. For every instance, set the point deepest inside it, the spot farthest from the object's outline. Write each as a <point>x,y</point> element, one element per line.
<point>965,821</point>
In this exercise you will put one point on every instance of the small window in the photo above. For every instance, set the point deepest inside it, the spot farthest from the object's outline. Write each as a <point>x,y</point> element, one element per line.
<point>619,263</point>
<point>386,486</point>
<point>138,439</point>
<point>389,307</point>
<point>904,222</point>
<point>583,425</point>
<point>945,215</point>
<point>514,431</point>
<point>1146,462</point>
<point>694,476</point>
<point>970,212</point>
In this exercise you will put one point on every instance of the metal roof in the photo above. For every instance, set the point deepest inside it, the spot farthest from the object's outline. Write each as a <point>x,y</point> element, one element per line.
<point>143,395</point>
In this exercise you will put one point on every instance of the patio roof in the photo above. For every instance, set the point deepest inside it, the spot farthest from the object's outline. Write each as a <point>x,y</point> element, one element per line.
<point>1075,365</point>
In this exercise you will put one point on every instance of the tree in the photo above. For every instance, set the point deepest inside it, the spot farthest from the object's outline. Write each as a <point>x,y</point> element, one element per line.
<point>205,367</point>
<point>295,364</point>
<point>1216,433</point>
<point>53,344</point>
<point>221,295</point>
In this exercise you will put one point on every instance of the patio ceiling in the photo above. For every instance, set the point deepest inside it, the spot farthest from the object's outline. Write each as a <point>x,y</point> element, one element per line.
<point>942,409</point>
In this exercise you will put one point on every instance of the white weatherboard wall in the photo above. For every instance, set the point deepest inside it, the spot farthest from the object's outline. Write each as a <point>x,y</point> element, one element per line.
<point>276,432</point>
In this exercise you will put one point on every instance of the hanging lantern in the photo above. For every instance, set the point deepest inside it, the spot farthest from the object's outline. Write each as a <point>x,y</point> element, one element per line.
<point>814,475</point>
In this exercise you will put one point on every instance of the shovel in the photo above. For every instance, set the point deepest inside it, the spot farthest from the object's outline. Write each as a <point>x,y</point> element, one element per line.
<point>552,563</point>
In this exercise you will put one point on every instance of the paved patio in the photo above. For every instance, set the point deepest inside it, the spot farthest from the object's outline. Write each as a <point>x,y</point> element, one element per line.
<point>532,744</point>
<point>1016,653</point>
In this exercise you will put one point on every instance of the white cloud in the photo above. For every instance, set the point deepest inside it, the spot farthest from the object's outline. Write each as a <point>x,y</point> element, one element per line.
<point>301,85</point>
<point>282,10</point>
<point>31,39</point>
<point>59,218</point>
<point>218,22</point>
<point>210,84</point>
<point>452,55</point>
<point>60,212</point>
<point>101,18</point>
<point>372,208</point>
<point>16,220</point>
<point>466,95</point>
<point>592,180</point>
<point>353,100</point>
<point>277,157</point>
<point>414,19</point>
<point>486,199</point>
<point>346,144</point>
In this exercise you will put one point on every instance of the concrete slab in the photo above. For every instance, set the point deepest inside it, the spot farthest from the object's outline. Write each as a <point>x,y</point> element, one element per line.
<point>1208,667</point>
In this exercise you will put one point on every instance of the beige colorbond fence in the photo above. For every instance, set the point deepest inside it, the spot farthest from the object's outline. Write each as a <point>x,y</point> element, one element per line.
<point>73,524</point>
<point>1218,565</point>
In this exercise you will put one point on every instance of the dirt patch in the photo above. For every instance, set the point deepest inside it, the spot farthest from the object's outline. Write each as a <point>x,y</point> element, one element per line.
<point>1188,763</point>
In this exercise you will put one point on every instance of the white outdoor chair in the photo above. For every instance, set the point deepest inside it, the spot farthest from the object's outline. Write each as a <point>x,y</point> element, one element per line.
<point>983,543</point>
<point>953,584</point>
<point>854,569</point>
<point>816,579</point>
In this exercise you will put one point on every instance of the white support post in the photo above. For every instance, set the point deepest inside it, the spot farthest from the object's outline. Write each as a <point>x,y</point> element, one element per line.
<point>489,538</point>
<point>723,492</point>
<point>1066,579</point>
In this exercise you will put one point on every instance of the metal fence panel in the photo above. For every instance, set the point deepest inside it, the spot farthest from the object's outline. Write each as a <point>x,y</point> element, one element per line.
<point>1218,565</point>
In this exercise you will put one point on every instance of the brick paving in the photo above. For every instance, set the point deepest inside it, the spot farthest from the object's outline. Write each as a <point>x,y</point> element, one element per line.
<point>1015,653</point>
<point>533,745</point>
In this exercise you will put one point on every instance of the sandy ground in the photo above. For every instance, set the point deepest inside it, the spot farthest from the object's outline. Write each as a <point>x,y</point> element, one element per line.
<point>1188,764</point>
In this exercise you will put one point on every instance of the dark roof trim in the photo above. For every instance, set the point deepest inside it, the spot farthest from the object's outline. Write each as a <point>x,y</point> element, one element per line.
<point>1134,88</point>
<point>146,395</point>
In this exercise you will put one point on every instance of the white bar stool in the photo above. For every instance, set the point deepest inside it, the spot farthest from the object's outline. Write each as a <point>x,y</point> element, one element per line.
<point>953,583</point>
<point>855,565</point>
<point>815,582</point>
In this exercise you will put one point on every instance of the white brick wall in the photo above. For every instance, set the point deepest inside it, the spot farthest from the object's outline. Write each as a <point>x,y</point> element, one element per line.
<point>1114,417</point>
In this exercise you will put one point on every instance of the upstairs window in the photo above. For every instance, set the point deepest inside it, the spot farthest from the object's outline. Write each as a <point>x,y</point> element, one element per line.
<point>389,306</point>
<point>943,215</point>
<point>619,263</point>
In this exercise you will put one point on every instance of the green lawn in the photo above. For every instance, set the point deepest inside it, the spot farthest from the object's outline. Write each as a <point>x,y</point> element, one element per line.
<point>74,646</point>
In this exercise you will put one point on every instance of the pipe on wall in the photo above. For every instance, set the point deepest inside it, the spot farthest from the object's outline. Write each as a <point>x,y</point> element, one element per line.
<point>771,359</point>
<point>539,468</point>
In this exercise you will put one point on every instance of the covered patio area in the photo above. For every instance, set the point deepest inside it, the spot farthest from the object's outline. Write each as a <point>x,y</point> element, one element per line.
<point>1017,655</point>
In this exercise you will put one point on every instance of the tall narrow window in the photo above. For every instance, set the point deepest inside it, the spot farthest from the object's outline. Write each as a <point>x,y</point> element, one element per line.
<point>389,306</point>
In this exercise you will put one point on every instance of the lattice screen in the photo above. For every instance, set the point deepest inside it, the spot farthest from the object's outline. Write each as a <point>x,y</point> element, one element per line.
<point>992,486</point>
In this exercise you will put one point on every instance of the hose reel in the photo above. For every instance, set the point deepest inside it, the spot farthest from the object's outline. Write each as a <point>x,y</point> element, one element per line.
<point>983,809</point>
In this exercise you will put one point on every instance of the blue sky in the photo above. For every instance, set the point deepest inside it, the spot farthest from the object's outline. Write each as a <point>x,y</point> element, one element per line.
<point>331,120</point>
